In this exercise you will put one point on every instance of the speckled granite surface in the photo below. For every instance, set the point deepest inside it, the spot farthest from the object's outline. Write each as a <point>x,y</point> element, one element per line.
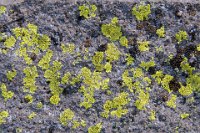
<point>62,23</point>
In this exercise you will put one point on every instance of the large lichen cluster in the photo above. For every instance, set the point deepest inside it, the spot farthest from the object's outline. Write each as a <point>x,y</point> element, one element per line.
<point>112,30</point>
<point>141,12</point>
<point>116,107</point>
<point>88,10</point>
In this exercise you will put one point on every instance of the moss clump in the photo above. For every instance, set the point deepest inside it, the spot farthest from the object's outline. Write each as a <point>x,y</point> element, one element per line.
<point>116,107</point>
<point>123,41</point>
<point>2,10</point>
<point>3,116</point>
<point>141,12</point>
<point>112,52</point>
<point>112,30</point>
<point>29,81</point>
<point>11,74</point>
<point>87,11</point>
<point>95,129</point>
<point>97,60</point>
<point>66,116</point>
<point>181,35</point>
<point>172,102</point>
<point>161,32</point>
<point>143,100</point>
<point>5,93</point>
<point>143,46</point>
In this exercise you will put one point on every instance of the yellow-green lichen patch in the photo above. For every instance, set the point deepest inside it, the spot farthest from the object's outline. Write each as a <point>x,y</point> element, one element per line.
<point>65,78</point>
<point>123,41</point>
<point>184,115</point>
<point>127,80</point>
<point>108,67</point>
<point>158,76</point>
<point>112,30</point>
<point>161,32</point>
<point>39,105</point>
<point>185,90</point>
<point>147,65</point>
<point>194,81</point>
<point>29,80</point>
<point>165,82</point>
<point>141,12</point>
<point>112,52</point>
<point>10,42</point>
<point>2,10</point>
<point>55,99</point>
<point>32,115</point>
<point>3,116</point>
<point>11,74</point>
<point>97,60</point>
<point>91,82</point>
<point>172,101</point>
<point>88,10</point>
<point>116,107</point>
<point>198,47</point>
<point>28,98</point>
<point>95,129</point>
<point>185,66</point>
<point>152,116</point>
<point>143,46</point>
<point>5,93</point>
<point>30,41</point>
<point>68,48</point>
<point>53,76</point>
<point>143,100</point>
<point>129,59</point>
<point>66,116</point>
<point>77,124</point>
<point>44,62</point>
<point>43,42</point>
<point>181,35</point>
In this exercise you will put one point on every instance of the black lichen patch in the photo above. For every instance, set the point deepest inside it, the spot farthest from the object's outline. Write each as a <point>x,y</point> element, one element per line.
<point>102,47</point>
<point>176,61</point>
<point>152,70</point>
<point>174,85</point>
<point>68,90</point>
